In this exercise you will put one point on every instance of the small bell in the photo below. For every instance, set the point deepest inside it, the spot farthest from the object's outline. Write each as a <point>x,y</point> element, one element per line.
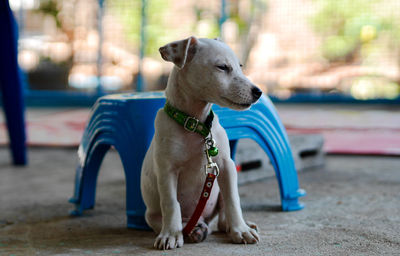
<point>213,151</point>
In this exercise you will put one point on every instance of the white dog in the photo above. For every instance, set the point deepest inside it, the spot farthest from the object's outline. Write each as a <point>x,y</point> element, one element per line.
<point>206,71</point>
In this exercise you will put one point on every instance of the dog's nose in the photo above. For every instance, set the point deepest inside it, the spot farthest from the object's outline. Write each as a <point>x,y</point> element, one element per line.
<point>256,93</point>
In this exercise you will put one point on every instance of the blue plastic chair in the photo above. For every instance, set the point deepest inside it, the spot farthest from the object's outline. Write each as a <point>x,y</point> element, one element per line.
<point>10,84</point>
<point>126,121</point>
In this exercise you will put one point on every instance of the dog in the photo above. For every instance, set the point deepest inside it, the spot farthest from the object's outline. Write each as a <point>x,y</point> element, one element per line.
<point>205,71</point>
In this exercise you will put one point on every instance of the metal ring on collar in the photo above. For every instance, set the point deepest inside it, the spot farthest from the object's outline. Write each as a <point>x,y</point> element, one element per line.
<point>191,124</point>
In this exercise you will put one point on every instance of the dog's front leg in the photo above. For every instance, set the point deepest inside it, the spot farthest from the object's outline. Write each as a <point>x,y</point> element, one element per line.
<point>171,232</point>
<point>239,231</point>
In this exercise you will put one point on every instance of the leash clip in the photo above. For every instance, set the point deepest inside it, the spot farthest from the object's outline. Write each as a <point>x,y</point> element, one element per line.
<point>211,167</point>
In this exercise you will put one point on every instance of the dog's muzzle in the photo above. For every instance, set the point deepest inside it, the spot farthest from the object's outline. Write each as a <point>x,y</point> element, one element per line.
<point>256,93</point>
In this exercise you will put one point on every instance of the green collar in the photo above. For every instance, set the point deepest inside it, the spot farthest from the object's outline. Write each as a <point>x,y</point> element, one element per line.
<point>190,123</point>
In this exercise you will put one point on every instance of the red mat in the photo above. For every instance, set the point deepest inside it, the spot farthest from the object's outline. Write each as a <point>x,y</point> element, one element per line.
<point>345,132</point>
<point>370,132</point>
<point>357,141</point>
<point>60,128</point>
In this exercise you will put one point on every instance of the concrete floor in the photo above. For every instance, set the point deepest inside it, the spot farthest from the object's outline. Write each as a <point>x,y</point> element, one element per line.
<point>352,208</point>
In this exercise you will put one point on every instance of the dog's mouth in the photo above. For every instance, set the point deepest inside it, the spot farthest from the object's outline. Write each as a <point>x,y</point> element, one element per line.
<point>237,105</point>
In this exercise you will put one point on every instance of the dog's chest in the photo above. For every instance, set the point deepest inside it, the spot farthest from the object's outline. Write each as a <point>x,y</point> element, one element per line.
<point>190,184</point>
<point>193,158</point>
<point>192,177</point>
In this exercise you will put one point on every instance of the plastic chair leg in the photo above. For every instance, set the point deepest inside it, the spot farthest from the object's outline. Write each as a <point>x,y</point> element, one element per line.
<point>11,85</point>
<point>14,112</point>
<point>233,146</point>
<point>86,180</point>
<point>135,207</point>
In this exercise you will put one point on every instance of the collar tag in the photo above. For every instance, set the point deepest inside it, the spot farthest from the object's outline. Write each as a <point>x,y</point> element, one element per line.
<point>190,123</point>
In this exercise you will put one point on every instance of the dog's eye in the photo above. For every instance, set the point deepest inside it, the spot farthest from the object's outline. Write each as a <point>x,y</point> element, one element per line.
<point>241,65</point>
<point>224,67</point>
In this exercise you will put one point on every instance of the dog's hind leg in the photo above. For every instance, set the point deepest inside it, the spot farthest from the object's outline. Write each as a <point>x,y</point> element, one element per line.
<point>222,225</point>
<point>199,233</point>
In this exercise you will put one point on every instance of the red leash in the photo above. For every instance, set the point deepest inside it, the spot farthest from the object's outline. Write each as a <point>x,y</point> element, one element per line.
<point>205,195</point>
<point>192,124</point>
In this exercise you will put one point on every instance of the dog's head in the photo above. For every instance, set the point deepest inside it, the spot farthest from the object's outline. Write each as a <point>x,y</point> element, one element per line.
<point>210,71</point>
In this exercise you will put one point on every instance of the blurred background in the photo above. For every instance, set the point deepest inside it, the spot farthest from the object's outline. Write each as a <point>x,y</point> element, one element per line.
<point>331,67</point>
<point>73,51</point>
<point>312,52</point>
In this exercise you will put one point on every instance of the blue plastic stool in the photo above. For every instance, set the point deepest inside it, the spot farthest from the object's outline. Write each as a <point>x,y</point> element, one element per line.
<point>11,85</point>
<point>126,121</point>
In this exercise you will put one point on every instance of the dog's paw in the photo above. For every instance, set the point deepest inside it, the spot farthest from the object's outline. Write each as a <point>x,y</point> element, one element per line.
<point>245,234</point>
<point>252,225</point>
<point>198,234</point>
<point>169,240</point>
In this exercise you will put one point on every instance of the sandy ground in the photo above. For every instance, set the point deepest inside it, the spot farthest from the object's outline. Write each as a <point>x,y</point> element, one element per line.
<point>352,208</point>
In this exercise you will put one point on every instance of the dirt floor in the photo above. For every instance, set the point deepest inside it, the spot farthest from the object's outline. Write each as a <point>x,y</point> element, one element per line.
<point>352,208</point>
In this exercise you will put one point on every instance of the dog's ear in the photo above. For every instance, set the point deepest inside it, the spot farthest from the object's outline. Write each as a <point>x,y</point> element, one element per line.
<point>180,52</point>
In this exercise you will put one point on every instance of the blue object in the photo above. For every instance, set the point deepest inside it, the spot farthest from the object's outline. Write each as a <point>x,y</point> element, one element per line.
<point>126,122</point>
<point>140,82</point>
<point>11,86</point>
<point>99,61</point>
<point>223,17</point>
